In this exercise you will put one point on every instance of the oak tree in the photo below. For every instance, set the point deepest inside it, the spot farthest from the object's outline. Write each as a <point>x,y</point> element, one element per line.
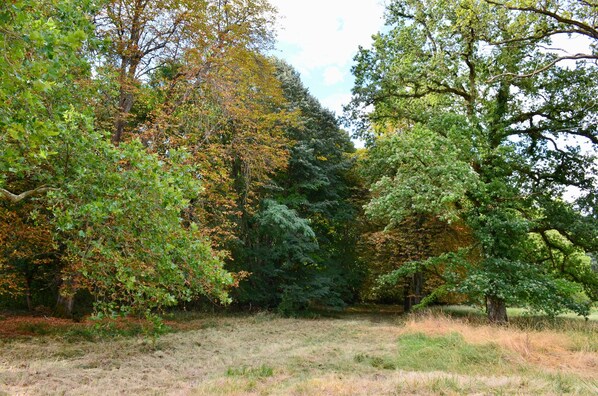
<point>477,133</point>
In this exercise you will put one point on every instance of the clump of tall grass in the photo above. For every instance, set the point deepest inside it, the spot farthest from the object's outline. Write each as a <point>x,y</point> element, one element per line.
<point>567,344</point>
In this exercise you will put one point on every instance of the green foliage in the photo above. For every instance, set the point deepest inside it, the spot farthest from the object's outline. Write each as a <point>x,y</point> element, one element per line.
<point>320,185</point>
<point>466,129</point>
<point>301,241</point>
<point>40,74</point>
<point>282,270</point>
<point>43,74</point>
<point>466,132</point>
<point>120,220</point>
<point>417,182</point>
<point>115,215</point>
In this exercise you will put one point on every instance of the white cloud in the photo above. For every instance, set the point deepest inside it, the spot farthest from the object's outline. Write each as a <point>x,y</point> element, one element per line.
<point>333,75</point>
<point>321,37</point>
<point>326,32</point>
<point>336,101</point>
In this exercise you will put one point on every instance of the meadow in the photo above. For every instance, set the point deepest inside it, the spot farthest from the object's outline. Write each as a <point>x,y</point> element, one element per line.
<point>358,352</point>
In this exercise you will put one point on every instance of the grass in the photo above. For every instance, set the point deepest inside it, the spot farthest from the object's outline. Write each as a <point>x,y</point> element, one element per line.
<point>250,372</point>
<point>516,314</point>
<point>450,353</point>
<point>355,354</point>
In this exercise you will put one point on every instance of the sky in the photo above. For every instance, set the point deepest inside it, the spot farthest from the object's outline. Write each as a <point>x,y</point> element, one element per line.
<point>321,37</point>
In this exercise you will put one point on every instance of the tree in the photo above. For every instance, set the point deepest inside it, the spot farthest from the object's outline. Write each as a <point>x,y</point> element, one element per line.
<point>109,219</point>
<point>218,96</point>
<point>144,36</point>
<point>299,247</point>
<point>321,185</point>
<point>126,242</point>
<point>477,134</point>
<point>280,262</point>
<point>42,76</point>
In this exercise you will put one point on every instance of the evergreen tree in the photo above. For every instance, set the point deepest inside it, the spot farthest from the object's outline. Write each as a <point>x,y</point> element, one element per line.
<point>301,247</point>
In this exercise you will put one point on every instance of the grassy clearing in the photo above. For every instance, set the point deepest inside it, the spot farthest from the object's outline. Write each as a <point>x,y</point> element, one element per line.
<point>359,354</point>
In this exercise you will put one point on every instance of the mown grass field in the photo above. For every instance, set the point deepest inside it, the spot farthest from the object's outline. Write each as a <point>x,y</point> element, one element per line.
<point>358,353</point>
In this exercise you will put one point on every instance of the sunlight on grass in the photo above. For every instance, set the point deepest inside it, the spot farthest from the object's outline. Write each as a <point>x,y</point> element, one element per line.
<point>448,353</point>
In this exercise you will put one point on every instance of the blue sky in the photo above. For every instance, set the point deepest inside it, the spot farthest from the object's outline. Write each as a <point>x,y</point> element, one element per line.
<point>320,37</point>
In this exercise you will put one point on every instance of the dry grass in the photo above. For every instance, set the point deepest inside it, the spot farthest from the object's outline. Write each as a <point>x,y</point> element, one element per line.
<point>264,354</point>
<point>570,351</point>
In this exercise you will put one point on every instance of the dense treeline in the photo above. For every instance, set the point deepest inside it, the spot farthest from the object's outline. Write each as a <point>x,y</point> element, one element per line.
<point>153,154</point>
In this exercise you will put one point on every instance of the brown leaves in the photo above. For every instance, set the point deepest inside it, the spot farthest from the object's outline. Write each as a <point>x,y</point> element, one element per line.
<point>24,247</point>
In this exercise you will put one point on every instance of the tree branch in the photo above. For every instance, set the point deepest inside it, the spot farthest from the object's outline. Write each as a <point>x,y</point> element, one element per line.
<point>586,29</point>
<point>545,67</point>
<point>14,198</point>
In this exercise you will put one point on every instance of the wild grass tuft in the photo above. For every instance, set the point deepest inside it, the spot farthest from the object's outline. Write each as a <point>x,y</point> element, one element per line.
<point>262,371</point>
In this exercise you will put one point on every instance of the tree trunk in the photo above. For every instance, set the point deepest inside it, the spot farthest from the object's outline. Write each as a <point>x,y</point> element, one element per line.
<point>418,287</point>
<point>124,108</point>
<point>407,298</point>
<point>28,280</point>
<point>64,306</point>
<point>496,309</point>
<point>66,299</point>
<point>28,296</point>
<point>413,291</point>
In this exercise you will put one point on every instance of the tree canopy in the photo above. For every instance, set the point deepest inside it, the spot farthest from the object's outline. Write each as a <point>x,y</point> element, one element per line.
<point>147,146</point>
<point>155,154</point>
<point>466,127</point>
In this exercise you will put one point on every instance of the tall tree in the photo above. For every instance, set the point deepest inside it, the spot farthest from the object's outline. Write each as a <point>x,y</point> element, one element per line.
<point>144,36</point>
<point>321,185</point>
<point>478,134</point>
<point>111,217</point>
<point>300,246</point>
<point>219,97</point>
<point>43,74</point>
